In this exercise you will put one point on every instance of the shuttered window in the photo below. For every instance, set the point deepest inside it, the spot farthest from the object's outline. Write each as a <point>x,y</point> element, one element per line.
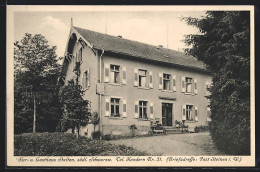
<point>115,105</point>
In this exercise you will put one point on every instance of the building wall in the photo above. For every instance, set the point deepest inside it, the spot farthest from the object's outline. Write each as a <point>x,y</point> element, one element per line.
<point>90,63</point>
<point>131,93</point>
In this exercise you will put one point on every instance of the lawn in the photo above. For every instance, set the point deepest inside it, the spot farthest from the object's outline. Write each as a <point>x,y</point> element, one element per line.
<point>66,144</point>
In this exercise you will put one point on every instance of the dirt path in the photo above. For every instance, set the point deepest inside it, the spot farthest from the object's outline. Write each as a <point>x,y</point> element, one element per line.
<point>191,144</point>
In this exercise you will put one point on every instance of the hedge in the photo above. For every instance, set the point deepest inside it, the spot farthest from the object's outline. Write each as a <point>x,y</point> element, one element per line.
<point>66,144</point>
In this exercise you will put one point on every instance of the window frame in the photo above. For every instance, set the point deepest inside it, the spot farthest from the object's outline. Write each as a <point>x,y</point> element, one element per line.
<point>143,76</point>
<point>114,71</point>
<point>85,79</point>
<point>192,112</point>
<point>188,83</point>
<point>168,81</point>
<point>114,103</point>
<point>141,108</point>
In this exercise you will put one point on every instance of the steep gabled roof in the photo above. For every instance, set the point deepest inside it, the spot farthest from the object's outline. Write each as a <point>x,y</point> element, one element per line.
<point>137,49</point>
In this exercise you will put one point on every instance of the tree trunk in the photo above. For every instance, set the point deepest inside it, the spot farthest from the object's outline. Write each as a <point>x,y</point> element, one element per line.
<point>77,131</point>
<point>34,114</point>
<point>94,126</point>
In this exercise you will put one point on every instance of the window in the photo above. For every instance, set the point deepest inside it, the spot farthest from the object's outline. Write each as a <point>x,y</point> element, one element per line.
<point>115,107</point>
<point>142,78</point>
<point>80,55</point>
<point>188,82</point>
<point>142,109</point>
<point>86,79</point>
<point>114,73</point>
<point>166,81</point>
<point>189,113</point>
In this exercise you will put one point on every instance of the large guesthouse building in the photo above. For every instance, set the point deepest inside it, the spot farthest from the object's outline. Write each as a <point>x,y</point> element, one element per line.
<point>129,82</point>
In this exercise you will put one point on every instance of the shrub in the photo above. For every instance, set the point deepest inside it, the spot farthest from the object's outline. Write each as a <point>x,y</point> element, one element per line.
<point>66,144</point>
<point>96,135</point>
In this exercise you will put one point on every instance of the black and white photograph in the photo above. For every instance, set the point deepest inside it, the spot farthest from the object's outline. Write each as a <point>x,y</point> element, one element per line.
<point>130,86</point>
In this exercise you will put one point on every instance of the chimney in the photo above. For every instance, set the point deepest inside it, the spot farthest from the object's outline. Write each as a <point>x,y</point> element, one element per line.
<point>119,36</point>
<point>159,46</point>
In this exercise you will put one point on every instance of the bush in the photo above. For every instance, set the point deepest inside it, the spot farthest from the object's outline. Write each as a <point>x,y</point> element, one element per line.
<point>106,137</point>
<point>66,144</point>
<point>96,135</point>
<point>201,128</point>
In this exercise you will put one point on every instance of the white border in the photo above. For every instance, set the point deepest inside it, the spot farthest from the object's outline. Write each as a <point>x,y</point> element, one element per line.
<point>246,161</point>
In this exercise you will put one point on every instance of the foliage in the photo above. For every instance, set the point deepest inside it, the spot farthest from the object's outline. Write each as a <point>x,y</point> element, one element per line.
<point>201,128</point>
<point>36,73</point>
<point>96,135</point>
<point>66,144</point>
<point>132,129</point>
<point>94,119</point>
<point>224,46</point>
<point>75,108</point>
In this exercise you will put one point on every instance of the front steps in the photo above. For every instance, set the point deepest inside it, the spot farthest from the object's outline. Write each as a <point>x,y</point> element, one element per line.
<point>174,130</point>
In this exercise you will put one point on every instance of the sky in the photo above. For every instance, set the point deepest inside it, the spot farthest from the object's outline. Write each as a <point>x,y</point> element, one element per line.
<point>144,26</point>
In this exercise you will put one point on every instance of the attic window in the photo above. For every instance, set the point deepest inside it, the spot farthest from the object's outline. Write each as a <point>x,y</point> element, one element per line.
<point>119,36</point>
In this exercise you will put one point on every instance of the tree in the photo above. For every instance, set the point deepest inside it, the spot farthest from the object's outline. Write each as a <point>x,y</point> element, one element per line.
<point>94,119</point>
<point>223,44</point>
<point>75,108</point>
<point>35,85</point>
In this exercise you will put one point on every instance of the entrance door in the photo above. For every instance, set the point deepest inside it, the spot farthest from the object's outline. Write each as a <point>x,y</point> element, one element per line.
<point>167,114</point>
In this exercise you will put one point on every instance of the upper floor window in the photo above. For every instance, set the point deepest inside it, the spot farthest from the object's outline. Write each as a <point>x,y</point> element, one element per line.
<point>80,55</point>
<point>142,109</point>
<point>166,81</point>
<point>115,105</point>
<point>114,73</point>
<point>142,78</point>
<point>188,82</point>
<point>85,81</point>
<point>189,85</point>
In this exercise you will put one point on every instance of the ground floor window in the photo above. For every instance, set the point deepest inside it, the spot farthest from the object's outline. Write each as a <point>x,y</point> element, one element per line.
<point>142,109</point>
<point>189,113</point>
<point>115,107</point>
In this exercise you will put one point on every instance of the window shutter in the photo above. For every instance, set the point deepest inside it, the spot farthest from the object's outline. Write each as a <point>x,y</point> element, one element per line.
<point>135,77</point>
<point>124,75</point>
<point>124,108</point>
<point>183,84</point>
<point>183,112</point>
<point>150,79</point>
<point>208,114</point>
<point>107,101</point>
<point>160,81</point>
<point>106,72</point>
<point>195,86</point>
<point>151,111</point>
<point>173,82</point>
<point>88,77</point>
<point>136,110</point>
<point>82,79</point>
<point>196,114</point>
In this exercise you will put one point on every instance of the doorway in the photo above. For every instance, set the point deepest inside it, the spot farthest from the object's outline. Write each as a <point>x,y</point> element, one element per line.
<point>167,114</point>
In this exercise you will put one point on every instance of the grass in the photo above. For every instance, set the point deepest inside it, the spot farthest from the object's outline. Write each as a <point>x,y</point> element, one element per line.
<point>66,144</point>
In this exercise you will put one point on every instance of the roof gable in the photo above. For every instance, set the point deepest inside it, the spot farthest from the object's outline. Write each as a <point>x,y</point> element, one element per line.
<point>137,49</point>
